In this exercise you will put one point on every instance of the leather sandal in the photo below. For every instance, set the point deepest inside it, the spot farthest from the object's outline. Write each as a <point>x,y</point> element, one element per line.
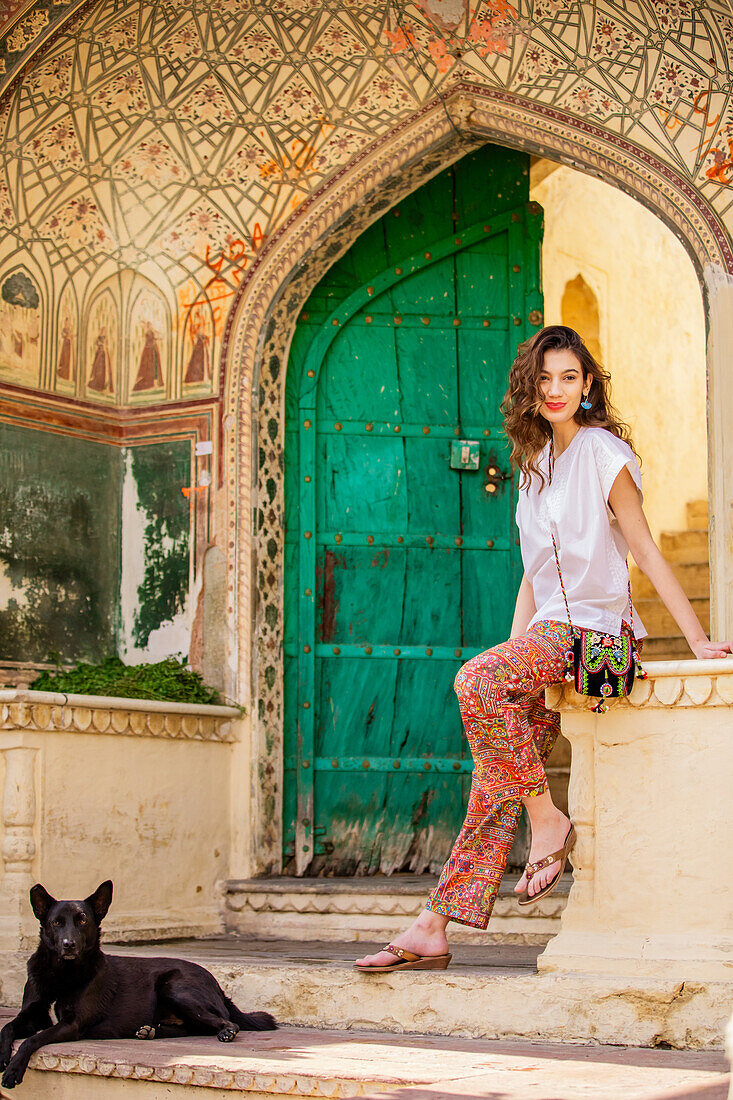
<point>408,961</point>
<point>531,869</point>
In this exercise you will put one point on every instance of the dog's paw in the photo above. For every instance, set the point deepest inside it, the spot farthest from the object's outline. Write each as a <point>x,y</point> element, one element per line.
<point>228,1033</point>
<point>13,1076</point>
<point>147,1031</point>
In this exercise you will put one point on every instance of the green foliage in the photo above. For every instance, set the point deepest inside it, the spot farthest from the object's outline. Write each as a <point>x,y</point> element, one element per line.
<point>169,681</point>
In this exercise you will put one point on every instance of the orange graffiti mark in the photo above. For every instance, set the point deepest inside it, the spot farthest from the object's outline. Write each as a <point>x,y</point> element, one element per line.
<point>490,35</point>
<point>706,109</point>
<point>439,53</point>
<point>301,156</point>
<point>669,118</point>
<point>722,166</point>
<point>258,237</point>
<point>402,39</point>
<point>227,267</point>
<point>500,9</point>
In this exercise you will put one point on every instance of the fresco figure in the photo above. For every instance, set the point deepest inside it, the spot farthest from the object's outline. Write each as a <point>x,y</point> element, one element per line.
<point>150,370</point>
<point>101,376</point>
<point>198,369</point>
<point>65,366</point>
<point>20,329</point>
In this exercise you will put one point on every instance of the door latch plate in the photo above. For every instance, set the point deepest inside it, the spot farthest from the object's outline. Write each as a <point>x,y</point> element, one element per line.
<point>464,454</point>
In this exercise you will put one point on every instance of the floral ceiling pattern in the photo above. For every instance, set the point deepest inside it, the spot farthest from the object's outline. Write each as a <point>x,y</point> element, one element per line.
<point>170,139</point>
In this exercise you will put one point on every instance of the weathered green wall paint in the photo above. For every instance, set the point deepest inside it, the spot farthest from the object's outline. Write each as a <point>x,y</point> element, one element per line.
<point>399,567</point>
<point>61,543</point>
<point>159,471</point>
<point>59,546</point>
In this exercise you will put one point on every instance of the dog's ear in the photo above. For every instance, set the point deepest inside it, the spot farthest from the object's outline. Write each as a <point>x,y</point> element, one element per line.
<point>41,901</point>
<point>101,900</point>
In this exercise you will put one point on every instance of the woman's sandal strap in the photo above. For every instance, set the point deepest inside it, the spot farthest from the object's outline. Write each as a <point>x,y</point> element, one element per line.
<point>401,953</point>
<point>533,868</point>
<point>554,857</point>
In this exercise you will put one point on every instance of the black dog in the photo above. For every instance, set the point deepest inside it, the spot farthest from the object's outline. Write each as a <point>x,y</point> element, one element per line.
<point>98,996</point>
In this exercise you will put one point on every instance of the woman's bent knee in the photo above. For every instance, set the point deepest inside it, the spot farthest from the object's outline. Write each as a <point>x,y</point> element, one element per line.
<point>479,667</point>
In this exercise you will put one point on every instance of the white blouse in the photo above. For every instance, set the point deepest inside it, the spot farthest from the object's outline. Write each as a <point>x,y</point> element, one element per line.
<point>590,544</point>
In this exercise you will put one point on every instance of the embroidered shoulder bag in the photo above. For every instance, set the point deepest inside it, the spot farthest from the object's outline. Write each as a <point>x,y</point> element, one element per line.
<point>601,664</point>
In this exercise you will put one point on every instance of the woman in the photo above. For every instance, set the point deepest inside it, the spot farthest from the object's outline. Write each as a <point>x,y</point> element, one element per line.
<point>581,483</point>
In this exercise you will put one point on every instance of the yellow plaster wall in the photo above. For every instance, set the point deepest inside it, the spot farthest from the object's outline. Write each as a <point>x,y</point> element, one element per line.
<point>652,328</point>
<point>151,813</point>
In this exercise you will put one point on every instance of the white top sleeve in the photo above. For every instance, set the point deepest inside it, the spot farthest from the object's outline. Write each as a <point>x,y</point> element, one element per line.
<point>611,455</point>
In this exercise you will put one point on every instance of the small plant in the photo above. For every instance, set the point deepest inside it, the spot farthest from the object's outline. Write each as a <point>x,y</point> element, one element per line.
<point>168,681</point>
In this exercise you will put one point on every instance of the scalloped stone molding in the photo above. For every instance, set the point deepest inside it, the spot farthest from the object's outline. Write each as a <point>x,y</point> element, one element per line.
<point>182,1074</point>
<point>75,718</point>
<point>687,689</point>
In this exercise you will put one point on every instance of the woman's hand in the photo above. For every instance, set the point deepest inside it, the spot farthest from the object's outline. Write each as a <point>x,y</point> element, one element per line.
<point>708,651</point>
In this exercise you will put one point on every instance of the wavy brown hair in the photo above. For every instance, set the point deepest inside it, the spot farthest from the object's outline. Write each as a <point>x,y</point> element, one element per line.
<point>527,430</point>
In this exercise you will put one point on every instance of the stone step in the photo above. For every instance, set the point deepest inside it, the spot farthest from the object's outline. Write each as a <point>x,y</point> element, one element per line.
<point>353,910</point>
<point>694,578</point>
<point>660,624</point>
<point>486,992</point>
<point>328,1063</point>
<point>697,515</point>
<point>685,547</point>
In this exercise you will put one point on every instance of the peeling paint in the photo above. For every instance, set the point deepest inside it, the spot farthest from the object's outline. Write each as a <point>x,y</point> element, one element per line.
<point>95,549</point>
<point>155,600</point>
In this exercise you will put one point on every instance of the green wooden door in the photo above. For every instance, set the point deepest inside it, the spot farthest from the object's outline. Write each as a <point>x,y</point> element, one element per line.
<point>402,559</point>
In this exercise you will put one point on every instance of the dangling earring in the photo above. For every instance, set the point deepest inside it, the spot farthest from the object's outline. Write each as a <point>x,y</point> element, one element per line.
<point>586,404</point>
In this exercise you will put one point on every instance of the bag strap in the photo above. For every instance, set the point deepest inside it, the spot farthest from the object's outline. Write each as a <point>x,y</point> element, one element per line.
<point>550,465</point>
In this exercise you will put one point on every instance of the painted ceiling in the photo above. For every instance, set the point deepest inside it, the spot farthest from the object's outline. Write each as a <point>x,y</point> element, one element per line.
<point>170,139</point>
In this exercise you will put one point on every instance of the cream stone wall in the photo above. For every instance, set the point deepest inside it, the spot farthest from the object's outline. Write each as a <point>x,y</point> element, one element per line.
<point>652,328</point>
<point>652,894</point>
<point>130,790</point>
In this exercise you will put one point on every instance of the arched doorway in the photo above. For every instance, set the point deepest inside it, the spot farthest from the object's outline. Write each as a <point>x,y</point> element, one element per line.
<point>258,337</point>
<point>402,559</point>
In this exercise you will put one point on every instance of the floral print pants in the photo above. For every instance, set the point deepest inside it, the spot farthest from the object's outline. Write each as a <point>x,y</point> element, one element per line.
<point>511,734</point>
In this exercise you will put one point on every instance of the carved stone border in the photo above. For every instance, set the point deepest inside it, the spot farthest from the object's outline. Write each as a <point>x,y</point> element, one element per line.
<point>179,1073</point>
<point>680,689</point>
<point>30,717</point>
<point>260,328</point>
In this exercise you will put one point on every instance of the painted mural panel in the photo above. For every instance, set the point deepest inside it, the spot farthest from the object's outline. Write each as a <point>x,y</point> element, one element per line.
<point>198,347</point>
<point>20,330</point>
<point>149,344</point>
<point>101,349</point>
<point>67,344</point>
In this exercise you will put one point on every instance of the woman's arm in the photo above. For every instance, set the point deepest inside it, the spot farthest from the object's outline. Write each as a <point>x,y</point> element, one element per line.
<point>524,608</point>
<point>626,506</point>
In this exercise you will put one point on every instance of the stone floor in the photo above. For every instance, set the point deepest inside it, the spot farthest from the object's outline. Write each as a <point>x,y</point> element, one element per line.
<point>306,1062</point>
<point>230,949</point>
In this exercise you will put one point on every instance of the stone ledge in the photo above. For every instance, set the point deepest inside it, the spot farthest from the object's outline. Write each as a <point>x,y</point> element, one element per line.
<point>43,712</point>
<point>387,885</point>
<point>669,683</point>
<point>303,1062</point>
<point>356,910</point>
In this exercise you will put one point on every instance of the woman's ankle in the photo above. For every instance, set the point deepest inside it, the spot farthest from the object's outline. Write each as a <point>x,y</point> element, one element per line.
<point>430,922</point>
<point>542,811</point>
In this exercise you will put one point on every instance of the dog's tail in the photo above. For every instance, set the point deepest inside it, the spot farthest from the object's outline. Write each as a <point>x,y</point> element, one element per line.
<point>250,1021</point>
